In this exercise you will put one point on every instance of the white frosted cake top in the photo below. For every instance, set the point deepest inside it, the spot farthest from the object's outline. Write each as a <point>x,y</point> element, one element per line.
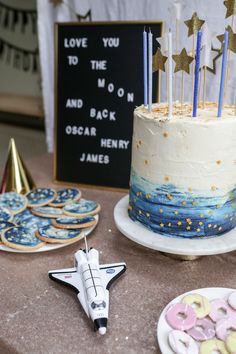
<point>184,113</point>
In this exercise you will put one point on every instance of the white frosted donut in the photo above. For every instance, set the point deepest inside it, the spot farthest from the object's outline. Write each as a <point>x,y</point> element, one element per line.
<point>232,299</point>
<point>181,343</point>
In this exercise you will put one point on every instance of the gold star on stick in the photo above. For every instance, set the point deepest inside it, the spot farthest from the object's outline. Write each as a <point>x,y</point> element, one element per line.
<point>232,39</point>
<point>182,61</point>
<point>194,24</point>
<point>159,61</point>
<point>231,8</point>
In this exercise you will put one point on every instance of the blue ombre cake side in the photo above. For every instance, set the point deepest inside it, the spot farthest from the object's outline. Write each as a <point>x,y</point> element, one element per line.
<point>183,173</point>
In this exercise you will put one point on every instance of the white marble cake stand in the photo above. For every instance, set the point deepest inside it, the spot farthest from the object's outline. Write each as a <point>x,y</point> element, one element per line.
<point>181,247</point>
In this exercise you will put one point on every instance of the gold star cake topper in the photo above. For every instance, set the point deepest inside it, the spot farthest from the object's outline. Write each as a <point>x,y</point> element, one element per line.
<point>232,39</point>
<point>182,61</point>
<point>194,24</point>
<point>231,8</point>
<point>159,61</point>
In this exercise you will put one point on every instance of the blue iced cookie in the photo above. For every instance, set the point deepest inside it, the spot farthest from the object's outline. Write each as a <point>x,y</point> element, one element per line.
<point>21,238</point>
<point>31,221</point>
<point>40,196</point>
<point>66,196</point>
<point>47,212</point>
<point>82,208</point>
<point>14,202</point>
<point>5,225</point>
<point>51,234</point>
<point>70,222</point>
<point>5,214</point>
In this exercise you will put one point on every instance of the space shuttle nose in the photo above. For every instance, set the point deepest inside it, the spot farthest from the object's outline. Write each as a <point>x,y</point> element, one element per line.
<point>102,330</point>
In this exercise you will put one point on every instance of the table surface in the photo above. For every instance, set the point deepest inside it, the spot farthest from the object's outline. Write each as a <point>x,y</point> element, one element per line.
<point>41,316</point>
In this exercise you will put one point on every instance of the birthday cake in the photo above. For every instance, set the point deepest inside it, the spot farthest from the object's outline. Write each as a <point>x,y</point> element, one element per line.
<point>183,171</point>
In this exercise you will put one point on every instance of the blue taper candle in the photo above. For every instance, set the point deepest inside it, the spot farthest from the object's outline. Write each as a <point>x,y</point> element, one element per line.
<point>145,67</point>
<point>196,74</point>
<point>150,71</point>
<point>223,71</point>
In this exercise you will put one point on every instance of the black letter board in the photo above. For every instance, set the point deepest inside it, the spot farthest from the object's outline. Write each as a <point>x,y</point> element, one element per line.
<point>99,82</point>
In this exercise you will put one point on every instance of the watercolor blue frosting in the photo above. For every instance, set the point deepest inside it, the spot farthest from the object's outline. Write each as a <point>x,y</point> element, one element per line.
<point>67,220</point>
<point>54,233</point>
<point>170,211</point>
<point>40,195</point>
<point>66,195</point>
<point>21,236</point>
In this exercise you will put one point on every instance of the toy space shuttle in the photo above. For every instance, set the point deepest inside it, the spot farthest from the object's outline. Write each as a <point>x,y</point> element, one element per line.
<point>91,281</point>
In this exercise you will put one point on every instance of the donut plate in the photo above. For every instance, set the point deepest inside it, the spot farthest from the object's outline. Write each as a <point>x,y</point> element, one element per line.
<point>163,328</point>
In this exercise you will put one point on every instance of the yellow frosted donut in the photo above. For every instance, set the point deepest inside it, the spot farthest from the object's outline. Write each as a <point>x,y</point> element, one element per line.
<point>213,345</point>
<point>202,308</point>
<point>231,343</point>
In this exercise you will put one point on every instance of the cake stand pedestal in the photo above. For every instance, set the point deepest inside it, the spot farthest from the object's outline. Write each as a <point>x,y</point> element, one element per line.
<point>180,248</point>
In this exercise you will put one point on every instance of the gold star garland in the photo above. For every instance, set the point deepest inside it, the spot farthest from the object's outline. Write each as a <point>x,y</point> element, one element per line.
<point>232,39</point>
<point>182,61</point>
<point>194,24</point>
<point>231,8</point>
<point>159,61</point>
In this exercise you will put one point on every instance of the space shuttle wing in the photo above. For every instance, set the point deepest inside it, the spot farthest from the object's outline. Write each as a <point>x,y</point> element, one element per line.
<point>111,272</point>
<point>68,277</point>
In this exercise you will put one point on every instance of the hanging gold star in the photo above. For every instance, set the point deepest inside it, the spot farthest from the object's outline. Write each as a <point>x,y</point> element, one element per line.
<point>158,61</point>
<point>56,2</point>
<point>232,39</point>
<point>231,8</point>
<point>182,61</point>
<point>194,24</point>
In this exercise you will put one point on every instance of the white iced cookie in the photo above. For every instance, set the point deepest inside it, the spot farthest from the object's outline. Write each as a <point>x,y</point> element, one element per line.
<point>181,343</point>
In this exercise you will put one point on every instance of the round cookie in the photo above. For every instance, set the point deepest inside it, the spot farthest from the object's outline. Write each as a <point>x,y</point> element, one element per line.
<point>232,300</point>
<point>21,238</point>
<point>5,214</point>
<point>51,234</point>
<point>66,196</point>
<point>5,225</point>
<point>225,325</point>
<point>181,316</point>
<point>220,309</point>
<point>40,196</point>
<point>231,343</point>
<point>47,212</point>
<point>213,345</point>
<point>13,201</point>
<point>181,343</point>
<point>31,221</point>
<point>203,307</point>
<point>69,222</point>
<point>204,329</point>
<point>82,208</point>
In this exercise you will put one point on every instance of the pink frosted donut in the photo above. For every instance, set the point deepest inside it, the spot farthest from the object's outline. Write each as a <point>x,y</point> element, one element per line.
<point>220,309</point>
<point>232,299</point>
<point>224,326</point>
<point>181,343</point>
<point>181,316</point>
<point>204,329</point>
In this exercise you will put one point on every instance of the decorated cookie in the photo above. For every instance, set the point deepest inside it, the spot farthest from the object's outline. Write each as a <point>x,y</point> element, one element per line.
<point>224,326</point>
<point>69,222</point>
<point>5,225</point>
<point>203,307</point>
<point>13,201</point>
<point>231,343</point>
<point>21,238</point>
<point>213,346</point>
<point>181,343</point>
<point>5,214</point>
<point>220,309</point>
<point>31,221</point>
<point>232,300</point>
<point>82,208</point>
<point>66,196</point>
<point>181,316</point>
<point>204,329</point>
<point>53,235</point>
<point>40,196</point>
<point>48,212</point>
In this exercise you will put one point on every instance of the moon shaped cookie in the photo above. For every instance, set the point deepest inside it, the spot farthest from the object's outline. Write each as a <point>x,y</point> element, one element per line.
<point>13,201</point>
<point>47,212</point>
<point>69,222</point>
<point>51,234</point>
<point>82,208</point>
<point>21,238</point>
<point>40,196</point>
<point>66,196</point>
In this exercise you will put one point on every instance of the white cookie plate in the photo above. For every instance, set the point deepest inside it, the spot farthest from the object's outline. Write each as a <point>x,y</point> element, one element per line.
<point>52,246</point>
<point>163,328</point>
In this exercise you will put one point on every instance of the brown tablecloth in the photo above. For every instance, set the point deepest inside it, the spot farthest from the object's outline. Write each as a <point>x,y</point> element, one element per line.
<point>41,316</point>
